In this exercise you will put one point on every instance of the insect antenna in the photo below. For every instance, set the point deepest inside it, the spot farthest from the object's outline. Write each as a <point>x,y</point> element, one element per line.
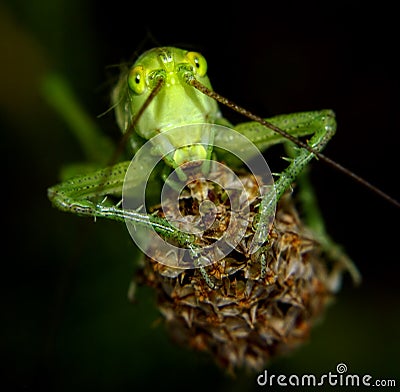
<point>123,141</point>
<point>108,110</point>
<point>225,101</point>
<point>131,128</point>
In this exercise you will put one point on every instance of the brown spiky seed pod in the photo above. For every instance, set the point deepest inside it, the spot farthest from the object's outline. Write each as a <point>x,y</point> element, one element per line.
<point>252,314</point>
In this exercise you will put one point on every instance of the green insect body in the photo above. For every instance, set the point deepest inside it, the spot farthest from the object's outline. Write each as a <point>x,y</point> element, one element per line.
<point>178,103</point>
<point>175,105</point>
<point>262,299</point>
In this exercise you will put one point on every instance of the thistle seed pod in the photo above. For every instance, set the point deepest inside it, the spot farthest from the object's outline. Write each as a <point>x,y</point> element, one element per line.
<point>263,304</point>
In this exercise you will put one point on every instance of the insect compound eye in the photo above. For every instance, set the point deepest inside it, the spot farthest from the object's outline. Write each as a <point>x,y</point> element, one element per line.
<point>198,62</point>
<point>137,79</point>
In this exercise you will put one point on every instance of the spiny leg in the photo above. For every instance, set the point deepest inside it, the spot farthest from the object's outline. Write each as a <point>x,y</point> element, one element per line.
<point>77,194</point>
<point>81,196</point>
<point>322,126</point>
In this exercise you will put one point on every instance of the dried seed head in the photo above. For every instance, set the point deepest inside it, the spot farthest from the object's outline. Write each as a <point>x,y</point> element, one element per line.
<point>264,304</point>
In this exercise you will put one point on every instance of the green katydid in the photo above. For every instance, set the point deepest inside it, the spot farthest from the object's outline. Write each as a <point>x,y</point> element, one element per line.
<point>168,88</point>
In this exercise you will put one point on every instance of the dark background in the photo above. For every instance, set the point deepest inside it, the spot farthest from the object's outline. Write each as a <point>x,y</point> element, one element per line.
<point>67,324</point>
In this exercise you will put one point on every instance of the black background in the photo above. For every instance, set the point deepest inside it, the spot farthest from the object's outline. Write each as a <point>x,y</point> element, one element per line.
<point>67,323</point>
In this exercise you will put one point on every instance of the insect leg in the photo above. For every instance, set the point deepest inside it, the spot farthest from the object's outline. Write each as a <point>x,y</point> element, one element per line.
<point>81,195</point>
<point>322,126</point>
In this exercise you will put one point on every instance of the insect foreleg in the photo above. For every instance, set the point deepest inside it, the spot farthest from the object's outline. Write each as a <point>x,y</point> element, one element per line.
<point>83,196</point>
<point>323,126</point>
